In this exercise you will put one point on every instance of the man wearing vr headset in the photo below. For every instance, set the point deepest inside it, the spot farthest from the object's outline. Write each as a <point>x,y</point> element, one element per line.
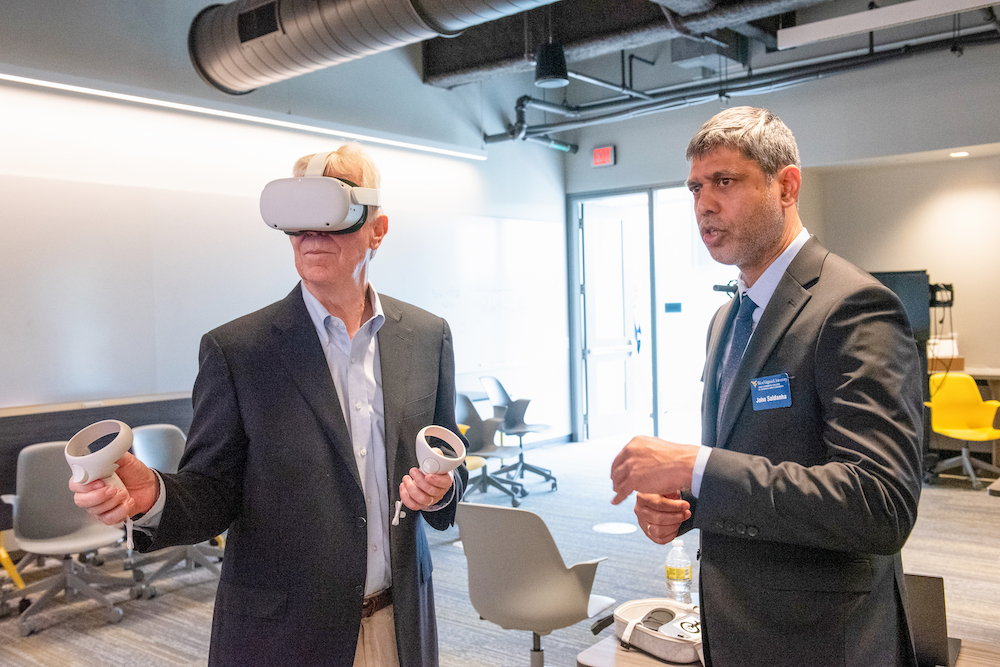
<point>305,413</point>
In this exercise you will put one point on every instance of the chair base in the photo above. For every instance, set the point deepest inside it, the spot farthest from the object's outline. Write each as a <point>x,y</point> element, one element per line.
<point>969,465</point>
<point>74,579</point>
<point>191,556</point>
<point>485,480</point>
<point>517,470</point>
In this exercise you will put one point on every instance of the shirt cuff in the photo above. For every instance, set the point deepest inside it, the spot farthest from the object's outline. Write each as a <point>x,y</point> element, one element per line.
<point>449,494</point>
<point>699,469</point>
<point>151,519</point>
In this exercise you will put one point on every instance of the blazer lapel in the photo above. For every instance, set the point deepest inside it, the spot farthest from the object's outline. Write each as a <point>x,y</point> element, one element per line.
<point>302,354</point>
<point>790,296</point>
<point>394,349</point>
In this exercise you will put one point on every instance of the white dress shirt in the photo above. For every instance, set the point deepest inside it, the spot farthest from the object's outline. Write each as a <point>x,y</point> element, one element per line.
<point>761,293</point>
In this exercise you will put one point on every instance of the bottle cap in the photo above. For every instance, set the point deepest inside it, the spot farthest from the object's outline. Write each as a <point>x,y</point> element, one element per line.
<point>677,543</point>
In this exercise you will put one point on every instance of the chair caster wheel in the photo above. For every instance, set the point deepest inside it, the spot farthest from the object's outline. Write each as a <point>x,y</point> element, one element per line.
<point>27,628</point>
<point>138,575</point>
<point>977,486</point>
<point>514,502</point>
<point>143,592</point>
<point>554,486</point>
<point>522,492</point>
<point>115,615</point>
<point>23,605</point>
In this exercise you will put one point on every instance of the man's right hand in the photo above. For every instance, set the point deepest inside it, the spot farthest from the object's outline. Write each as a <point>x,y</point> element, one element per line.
<point>660,517</point>
<point>111,505</point>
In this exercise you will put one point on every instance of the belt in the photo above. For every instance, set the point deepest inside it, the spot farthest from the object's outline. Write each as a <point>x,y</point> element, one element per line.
<point>376,602</point>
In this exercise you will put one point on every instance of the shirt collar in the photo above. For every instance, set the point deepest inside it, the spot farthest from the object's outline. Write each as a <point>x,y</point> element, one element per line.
<point>763,289</point>
<point>318,314</point>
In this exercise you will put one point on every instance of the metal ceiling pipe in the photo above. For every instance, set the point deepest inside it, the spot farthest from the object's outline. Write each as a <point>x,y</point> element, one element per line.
<point>705,92</point>
<point>245,44</point>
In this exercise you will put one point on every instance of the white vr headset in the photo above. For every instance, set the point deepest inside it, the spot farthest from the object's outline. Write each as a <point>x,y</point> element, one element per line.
<point>316,203</point>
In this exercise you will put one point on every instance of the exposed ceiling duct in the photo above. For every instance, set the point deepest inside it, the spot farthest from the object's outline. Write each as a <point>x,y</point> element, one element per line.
<point>243,45</point>
<point>610,111</point>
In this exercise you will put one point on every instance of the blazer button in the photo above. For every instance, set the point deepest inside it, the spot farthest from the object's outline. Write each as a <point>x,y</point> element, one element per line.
<point>730,527</point>
<point>741,529</point>
<point>360,590</point>
<point>361,522</point>
<point>718,525</point>
<point>752,531</point>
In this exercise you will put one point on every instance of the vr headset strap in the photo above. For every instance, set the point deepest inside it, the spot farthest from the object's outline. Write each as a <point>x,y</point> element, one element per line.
<point>317,164</point>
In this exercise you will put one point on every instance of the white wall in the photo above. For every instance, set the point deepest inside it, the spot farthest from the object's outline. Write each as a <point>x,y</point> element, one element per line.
<point>127,232</point>
<point>942,216</point>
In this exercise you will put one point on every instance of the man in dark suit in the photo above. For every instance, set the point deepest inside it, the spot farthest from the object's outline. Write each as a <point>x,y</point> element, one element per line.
<point>806,485</point>
<point>305,419</point>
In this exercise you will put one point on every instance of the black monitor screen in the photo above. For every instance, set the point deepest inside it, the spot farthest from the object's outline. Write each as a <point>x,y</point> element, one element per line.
<point>913,289</point>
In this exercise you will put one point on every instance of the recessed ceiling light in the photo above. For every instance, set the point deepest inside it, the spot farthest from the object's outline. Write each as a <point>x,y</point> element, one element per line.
<point>959,154</point>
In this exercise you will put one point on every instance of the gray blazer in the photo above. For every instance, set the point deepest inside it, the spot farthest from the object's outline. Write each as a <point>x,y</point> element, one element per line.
<point>804,509</point>
<point>270,459</point>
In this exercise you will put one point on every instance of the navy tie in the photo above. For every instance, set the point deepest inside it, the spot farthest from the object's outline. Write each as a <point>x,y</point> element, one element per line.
<point>741,336</point>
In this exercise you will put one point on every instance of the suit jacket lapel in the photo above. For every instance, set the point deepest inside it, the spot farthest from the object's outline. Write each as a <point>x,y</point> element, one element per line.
<point>302,354</point>
<point>786,303</point>
<point>394,349</point>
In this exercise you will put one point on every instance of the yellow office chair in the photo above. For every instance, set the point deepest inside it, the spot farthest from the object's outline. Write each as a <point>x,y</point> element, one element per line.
<point>958,411</point>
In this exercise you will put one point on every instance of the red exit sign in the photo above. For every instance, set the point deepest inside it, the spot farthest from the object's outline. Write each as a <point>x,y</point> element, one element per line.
<point>604,156</point>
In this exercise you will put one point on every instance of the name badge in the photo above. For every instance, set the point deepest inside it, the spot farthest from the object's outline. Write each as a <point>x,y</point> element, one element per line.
<point>771,392</point>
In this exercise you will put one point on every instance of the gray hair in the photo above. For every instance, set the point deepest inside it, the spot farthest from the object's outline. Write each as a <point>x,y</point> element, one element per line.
<point>758,134</point>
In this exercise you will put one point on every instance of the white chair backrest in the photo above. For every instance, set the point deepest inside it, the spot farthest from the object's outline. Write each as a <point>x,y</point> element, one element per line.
<point>159,446</point>
<point>517,577</point>
<point>45,506</point>
<point>499,398</point>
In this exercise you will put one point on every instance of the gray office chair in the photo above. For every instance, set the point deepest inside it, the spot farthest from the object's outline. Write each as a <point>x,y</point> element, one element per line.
<point>512,412</point>
<point>160,446</point>
<point>48,524</point>
<point>517,577</point>
<point>480,435</point>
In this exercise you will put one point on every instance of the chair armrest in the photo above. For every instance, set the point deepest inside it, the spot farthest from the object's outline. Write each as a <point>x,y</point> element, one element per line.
<point>585,572</point>
<point>515,413</point>
<point>985,413</point>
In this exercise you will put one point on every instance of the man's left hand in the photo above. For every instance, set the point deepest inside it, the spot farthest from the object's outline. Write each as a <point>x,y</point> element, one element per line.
<point>651,465</point>
<point>420,491</point>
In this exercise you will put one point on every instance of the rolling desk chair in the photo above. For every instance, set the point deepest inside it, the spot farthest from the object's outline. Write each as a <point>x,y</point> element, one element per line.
<point>517,577</point>
<point>48,524</point>
<point>958,411</point>
<point>480,434</point>
<point>512,413</point>
<point>161,446</point>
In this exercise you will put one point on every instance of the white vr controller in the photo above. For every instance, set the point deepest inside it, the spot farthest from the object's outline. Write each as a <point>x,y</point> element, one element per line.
<point>432,460</point>
<point>88,466</point>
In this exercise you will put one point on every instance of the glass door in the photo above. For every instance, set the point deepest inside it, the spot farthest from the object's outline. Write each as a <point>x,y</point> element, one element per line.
<point>617,364</point>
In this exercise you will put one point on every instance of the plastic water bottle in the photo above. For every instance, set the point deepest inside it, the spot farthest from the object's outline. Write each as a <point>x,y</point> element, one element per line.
<point>679,573</point>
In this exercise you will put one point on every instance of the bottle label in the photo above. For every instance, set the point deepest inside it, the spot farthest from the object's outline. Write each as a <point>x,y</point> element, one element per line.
<point>679,573</point>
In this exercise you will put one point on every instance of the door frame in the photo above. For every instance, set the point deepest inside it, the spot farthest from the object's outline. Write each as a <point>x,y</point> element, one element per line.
<point>574,281</point>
